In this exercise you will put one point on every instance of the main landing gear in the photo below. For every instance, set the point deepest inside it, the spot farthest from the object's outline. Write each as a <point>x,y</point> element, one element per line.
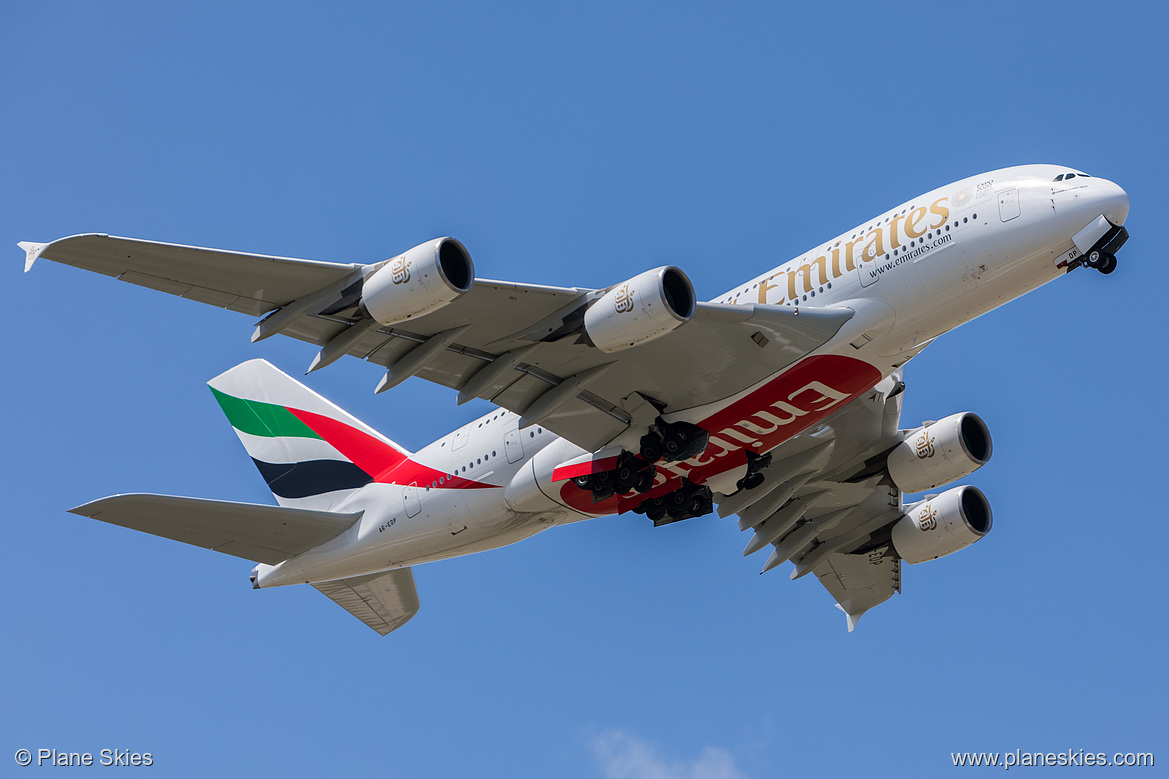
<point>630,475</point>
<point>689,500</point>
<point>673,441</point>
<point>665,441</point>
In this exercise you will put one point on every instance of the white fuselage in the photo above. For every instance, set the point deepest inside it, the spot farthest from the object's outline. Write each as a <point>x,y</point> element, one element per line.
<point>912,274</point>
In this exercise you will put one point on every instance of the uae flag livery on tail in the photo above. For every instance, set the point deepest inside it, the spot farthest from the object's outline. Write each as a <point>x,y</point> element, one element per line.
<point>311,453</point>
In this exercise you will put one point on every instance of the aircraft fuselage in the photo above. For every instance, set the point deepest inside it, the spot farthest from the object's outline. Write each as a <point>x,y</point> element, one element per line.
<point>916,272</point>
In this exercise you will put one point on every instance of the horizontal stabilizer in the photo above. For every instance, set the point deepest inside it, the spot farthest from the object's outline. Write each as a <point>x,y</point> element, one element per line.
<point>266,534</point>
<point>384,601</point>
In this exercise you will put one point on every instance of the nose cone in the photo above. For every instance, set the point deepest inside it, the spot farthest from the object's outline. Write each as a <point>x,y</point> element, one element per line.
<point>1113,201</point>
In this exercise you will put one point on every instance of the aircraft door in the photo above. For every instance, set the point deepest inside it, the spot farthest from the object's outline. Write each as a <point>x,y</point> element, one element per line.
<point>513,446</point>
<point>1009,204</point>
<point>870,267</point>
<point>410,499</point>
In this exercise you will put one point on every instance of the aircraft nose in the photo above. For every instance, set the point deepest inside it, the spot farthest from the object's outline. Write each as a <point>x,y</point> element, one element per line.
<point>1114,201</point>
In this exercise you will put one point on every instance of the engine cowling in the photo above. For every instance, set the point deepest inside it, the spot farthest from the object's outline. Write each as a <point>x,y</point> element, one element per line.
<point>940,526</point>
<point>646,307</point>
<point>938,454</point>
<point>420,280</point>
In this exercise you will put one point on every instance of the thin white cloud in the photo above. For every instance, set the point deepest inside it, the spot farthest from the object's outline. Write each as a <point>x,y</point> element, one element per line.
<point>622,755</point>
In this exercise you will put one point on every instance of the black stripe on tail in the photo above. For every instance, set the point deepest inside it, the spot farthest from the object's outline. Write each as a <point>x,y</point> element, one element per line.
<point>311,477</point>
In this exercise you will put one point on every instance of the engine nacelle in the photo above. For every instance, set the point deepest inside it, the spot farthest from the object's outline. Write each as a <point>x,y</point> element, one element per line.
<point>940,526</point>
<point>646,307</point>
<point>938,454</point>
<point>420,280</point>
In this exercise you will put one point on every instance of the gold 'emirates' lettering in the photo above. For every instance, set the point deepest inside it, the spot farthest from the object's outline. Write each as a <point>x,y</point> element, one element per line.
<point>800,277</point>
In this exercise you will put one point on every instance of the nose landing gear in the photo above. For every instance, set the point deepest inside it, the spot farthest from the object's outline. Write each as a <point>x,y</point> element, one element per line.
<point>1101,261</point>
<point>1102,255</point>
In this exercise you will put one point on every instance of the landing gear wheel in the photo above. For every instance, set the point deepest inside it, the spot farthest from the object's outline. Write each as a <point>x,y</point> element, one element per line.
<point>626,476</point>
<point>655,508</point>
<point>1107,264</point>
<point>1095,259</point>
<point>584,482</point>
<point>674,442</point>
<point>678,502</point>
<point>651,448</point>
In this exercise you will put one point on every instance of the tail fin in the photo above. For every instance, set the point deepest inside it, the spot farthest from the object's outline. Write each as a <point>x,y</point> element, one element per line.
<point>311,453</point>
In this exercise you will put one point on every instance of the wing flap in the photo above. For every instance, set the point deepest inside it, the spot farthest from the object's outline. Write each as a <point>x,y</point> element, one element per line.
<point>266,534</point>
<point>384,601</point>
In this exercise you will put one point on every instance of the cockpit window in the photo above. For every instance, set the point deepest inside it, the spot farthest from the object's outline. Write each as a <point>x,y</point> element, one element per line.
<point>1058,178</point>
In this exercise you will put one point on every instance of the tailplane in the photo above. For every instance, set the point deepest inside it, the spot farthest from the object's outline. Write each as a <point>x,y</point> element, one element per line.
<point>311,453</point>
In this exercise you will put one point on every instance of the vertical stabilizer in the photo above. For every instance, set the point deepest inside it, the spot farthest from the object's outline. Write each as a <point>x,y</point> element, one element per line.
<point>310,452</point>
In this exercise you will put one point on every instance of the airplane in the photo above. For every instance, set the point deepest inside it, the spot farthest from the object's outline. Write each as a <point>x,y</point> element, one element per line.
<point>779,401</point>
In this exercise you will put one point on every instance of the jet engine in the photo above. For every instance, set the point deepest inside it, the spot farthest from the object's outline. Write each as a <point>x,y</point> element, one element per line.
<point>942,525</point>
<point>940,453</point>
<point>646,307</point>
<point>416,282</point>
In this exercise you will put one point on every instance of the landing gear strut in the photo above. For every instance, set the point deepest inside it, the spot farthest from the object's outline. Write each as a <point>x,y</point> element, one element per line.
<point>755,464</point>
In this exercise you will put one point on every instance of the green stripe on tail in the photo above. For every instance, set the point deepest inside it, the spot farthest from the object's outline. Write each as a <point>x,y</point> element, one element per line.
<point>261,419</point>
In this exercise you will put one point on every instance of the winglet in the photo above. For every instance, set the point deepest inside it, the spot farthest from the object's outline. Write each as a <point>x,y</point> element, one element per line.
<point>852,618</point>
<point>31,252</point>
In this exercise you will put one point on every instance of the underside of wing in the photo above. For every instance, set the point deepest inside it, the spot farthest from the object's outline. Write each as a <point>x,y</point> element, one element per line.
<point>249,283</point>
<point>384,601</point>
<point>824,507</point>
<point>265,534</point>
<point>524,347</point>
<point>590,397</point>
<point>861,581</point>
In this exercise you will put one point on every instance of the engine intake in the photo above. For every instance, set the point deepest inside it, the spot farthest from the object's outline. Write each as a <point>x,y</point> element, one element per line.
<point>942,525</point>
<point>637,311</point>
<point>938,454</point>
<point>421,280</point>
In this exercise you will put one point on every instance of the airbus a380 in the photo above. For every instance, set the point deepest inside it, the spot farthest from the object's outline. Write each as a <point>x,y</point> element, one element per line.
<point>778,402</point>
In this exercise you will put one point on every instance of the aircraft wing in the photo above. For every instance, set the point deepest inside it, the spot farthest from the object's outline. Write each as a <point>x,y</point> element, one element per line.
<point>384,601</point>
<point>265,534</point>
<point>517,345</point>
<point>826,506</point>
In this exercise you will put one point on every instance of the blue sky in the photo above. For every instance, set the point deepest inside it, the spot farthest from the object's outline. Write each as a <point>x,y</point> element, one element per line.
<point>572,145</point>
